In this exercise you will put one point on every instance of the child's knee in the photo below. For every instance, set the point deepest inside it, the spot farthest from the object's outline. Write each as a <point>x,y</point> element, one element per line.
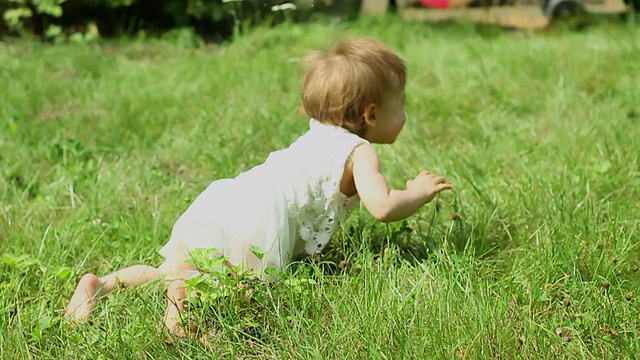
<point>177,289</point>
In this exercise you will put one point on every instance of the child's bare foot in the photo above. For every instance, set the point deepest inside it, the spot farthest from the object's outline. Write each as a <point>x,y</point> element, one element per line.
<point>83,300</point>
<point>173,324</point>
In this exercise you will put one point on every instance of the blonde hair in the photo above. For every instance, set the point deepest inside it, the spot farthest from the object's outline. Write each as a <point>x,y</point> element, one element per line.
<point>339,84</point>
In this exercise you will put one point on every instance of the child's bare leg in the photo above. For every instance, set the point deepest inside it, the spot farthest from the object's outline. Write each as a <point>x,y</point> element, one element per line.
<point>90,288</point>
<point>176,293</point>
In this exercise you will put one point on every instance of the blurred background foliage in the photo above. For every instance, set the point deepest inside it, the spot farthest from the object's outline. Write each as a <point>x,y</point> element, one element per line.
<point>212,20</point>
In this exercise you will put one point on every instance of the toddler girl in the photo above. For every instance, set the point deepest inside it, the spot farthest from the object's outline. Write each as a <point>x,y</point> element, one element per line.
<point>290,206</point>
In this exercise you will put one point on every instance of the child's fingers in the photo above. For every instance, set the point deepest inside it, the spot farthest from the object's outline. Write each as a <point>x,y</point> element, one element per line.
<point>441,187</point>
<point>422,174</point>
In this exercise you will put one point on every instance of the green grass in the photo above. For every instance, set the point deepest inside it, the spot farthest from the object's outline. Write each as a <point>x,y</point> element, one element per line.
<point>102,146</point>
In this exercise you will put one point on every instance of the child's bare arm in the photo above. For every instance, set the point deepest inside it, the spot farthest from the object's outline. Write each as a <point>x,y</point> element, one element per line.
<point>384,203</point>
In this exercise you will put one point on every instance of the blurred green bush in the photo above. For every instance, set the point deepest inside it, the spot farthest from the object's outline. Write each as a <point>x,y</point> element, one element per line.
<point>212,19</point>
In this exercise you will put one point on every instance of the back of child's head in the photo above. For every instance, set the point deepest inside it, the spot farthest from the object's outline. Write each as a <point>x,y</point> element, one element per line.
<point>339,84</point>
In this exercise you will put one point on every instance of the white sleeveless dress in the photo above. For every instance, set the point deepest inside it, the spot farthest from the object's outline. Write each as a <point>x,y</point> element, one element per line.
<point>288,207</point>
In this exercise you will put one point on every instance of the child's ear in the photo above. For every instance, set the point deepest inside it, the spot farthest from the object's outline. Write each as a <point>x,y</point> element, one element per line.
<point>370,114</point>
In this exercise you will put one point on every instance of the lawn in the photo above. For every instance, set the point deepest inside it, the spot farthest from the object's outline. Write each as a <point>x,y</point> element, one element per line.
<point>534,255</point>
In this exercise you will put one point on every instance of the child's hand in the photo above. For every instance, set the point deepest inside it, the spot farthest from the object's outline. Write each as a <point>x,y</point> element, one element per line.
<point>427,185</point>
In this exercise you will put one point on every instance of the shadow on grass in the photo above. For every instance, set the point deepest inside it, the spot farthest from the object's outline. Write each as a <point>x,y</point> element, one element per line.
<point>413,243</point>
